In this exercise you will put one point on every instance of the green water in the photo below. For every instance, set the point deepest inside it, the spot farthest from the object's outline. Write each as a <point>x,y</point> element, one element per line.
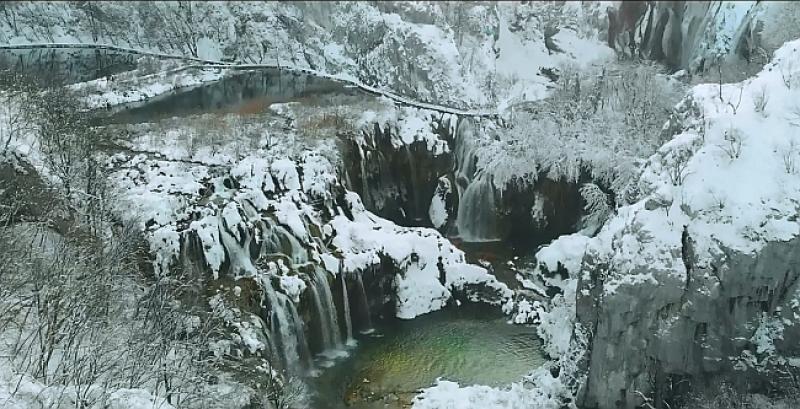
<point>472,344</point>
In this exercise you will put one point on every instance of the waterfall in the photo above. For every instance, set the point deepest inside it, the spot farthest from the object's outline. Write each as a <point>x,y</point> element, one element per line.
<point>300,334</point>
<point>364,304</point>
<point>476,211</point>
<point>476,220</point>
<point>364,184</point>
<point>320,314</point>
<point>278,240</point>
<point>287,339</point>
<point>326,309</point>
<point>283,328</point>
<point>348,324</point>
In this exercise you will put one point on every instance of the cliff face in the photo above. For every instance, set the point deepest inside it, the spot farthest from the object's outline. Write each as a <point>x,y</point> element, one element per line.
<point>667,338</point>
<point>696,35</point>
<point>696,281</point>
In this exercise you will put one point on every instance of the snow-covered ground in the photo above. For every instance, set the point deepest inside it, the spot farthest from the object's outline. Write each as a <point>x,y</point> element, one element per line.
<point>134,86</point>
<point>275,176</point>
<point>462,57</point>
<point>22,392</point>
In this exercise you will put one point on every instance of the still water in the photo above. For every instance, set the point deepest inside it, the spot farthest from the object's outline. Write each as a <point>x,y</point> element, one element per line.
<point>471,344</point>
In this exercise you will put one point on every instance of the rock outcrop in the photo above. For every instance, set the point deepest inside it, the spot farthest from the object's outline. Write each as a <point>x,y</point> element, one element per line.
<point>696,281</point>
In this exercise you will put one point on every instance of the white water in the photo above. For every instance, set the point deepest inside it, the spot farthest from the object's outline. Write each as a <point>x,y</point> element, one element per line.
<point>326,309</point>
<point>282,328</point>
<point>476,211</point>
<point>317,299</point>
<point>348,323</point>
<point>287,339</point>
<point>364,303</point>
<point>275,236</point>
<point>477,216</point>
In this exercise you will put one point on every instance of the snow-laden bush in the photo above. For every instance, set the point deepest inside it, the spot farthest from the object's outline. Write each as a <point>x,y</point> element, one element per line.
<point>600,124</point>
<point>597,205</point>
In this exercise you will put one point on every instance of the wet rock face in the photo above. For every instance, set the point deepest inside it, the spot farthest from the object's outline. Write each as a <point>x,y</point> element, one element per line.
<point>532,215</point>
<point>398,183</point>
<point>663,340</point>
<point>684,34</point>
<point>395,183</point>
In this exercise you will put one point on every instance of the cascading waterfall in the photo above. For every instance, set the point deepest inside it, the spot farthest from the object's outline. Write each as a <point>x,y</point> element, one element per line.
<point>298,252</point>
<point>476,211</point>
<point>477,218</point>
<point>286,333</point>
<point>364,304</point>
<point>319,308</point>
<point>348,323</point>
<point>283,328</point>
<point>326,309</point>
<point>275,236</point>
<point>304,351</point>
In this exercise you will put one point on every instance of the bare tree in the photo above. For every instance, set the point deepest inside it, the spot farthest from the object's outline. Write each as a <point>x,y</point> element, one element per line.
<point>65,136</point>
<point>733,146</point>
<point>760,100</point>
<point>789,155</point>
<point>15,91</point>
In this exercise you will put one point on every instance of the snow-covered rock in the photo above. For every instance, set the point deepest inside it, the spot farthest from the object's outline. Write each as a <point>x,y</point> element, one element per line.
<point>698,269</point>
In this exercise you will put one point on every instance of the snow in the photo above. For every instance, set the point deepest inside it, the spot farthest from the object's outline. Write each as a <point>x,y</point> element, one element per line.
<point>438,211</point>
<point>520,60</point>
<point>453,67</point>
<point>167,192</point>
<point>23,392</point>
<point>567,249</point>
<point>293,286</point>
<point>162,194</point>
<point>414,128</point>
<point>741,216</point>
<point>103,92</point>
<point>542,392</point>
<point>724,31</point>
<point>286,173</point>
<point>418,288</point>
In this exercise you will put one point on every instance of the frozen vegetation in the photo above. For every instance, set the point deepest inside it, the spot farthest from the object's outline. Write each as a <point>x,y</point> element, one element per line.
<point>243,196</point>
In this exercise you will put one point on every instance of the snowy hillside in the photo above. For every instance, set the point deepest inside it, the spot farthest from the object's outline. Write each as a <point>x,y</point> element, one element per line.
<point>715,222</point>
<point>471,56</point>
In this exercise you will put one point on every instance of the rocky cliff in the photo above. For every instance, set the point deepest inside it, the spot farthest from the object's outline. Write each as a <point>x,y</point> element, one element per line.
<point>696,282</point>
